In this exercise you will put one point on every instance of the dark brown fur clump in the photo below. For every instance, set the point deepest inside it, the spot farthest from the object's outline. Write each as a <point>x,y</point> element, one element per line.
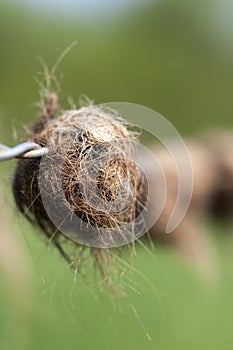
<point>90,151</point>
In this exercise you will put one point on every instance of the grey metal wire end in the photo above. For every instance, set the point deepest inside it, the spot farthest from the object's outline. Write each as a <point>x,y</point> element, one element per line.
<point>23,150</point>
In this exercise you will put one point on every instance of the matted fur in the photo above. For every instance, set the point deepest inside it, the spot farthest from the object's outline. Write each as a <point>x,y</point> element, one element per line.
<point>77,141</point>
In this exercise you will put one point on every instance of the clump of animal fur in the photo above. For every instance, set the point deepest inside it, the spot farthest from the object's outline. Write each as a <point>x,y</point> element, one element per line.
<point>88,174</point>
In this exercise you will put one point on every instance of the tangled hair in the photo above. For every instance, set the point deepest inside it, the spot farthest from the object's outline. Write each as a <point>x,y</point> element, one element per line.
<point>88,186</point>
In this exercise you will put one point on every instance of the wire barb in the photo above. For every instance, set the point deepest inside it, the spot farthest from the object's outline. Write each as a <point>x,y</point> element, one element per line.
<point>23,150</point>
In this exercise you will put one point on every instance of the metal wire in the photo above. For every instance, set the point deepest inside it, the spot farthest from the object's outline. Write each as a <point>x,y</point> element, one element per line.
<point>23,150</point>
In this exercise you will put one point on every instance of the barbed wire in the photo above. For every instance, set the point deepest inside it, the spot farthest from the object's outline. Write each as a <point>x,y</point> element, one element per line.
<point>28,150</point>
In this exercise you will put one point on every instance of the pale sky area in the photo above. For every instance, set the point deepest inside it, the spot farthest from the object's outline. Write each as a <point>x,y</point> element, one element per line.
<point>83,8</point>
<point>221,10</point>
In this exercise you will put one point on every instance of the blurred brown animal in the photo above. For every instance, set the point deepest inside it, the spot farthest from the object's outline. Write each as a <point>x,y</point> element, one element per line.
<point>212,193</point>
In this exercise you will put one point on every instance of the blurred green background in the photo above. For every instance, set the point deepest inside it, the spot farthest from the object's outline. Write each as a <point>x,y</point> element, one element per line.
<point>173,56</point>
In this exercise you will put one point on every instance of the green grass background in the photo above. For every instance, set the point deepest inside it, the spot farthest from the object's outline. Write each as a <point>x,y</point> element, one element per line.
<point>172,56</point>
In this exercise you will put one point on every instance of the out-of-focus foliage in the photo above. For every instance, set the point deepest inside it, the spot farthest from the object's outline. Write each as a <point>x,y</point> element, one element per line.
<point>169,56</point>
